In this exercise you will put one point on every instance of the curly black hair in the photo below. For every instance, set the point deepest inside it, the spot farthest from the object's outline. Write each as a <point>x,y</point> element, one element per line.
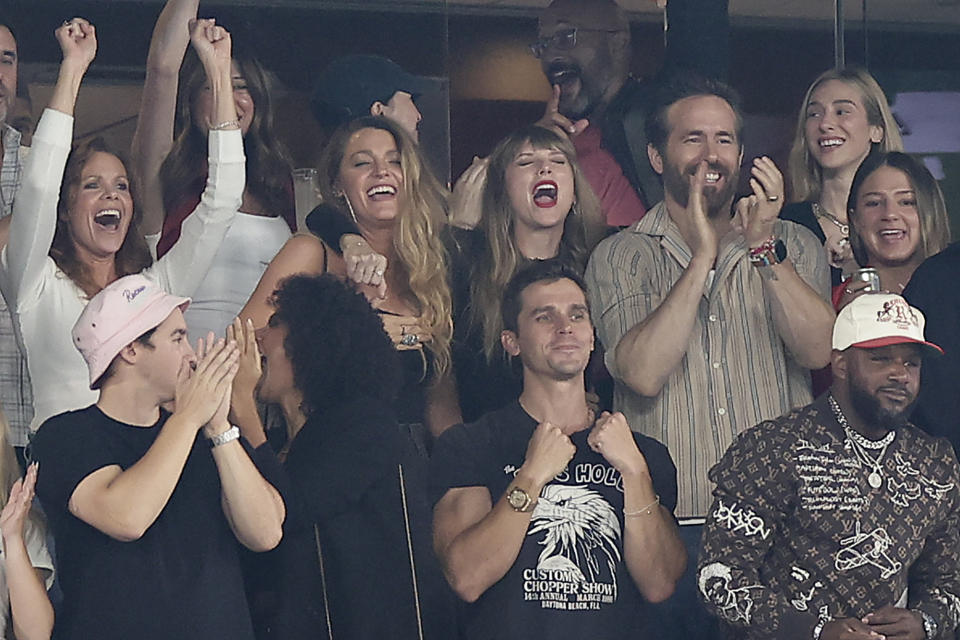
<point>335,342</point>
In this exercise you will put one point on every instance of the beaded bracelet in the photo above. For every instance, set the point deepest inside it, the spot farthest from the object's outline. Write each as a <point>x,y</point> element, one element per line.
<point>642,511</point>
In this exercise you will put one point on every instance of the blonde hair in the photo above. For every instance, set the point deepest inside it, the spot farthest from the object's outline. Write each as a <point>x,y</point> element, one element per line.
<point>805,174</point>
<point>417,235</point>
<point>931,209</point>
<point>501,257</point>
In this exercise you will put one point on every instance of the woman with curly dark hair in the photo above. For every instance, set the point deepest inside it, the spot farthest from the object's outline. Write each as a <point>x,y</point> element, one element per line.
<point>357,558</point>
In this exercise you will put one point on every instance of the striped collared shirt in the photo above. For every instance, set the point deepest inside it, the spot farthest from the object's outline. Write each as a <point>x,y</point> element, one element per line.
<point>736,372</point>
<point>15,391</point>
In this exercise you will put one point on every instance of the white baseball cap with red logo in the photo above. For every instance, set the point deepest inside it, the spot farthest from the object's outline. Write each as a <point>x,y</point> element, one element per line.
<point>878,320</point>
<point>122,312</point>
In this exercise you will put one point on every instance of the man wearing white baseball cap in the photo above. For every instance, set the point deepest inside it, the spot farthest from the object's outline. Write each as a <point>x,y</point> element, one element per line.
<point>841,519</point>
<point>146,512</point>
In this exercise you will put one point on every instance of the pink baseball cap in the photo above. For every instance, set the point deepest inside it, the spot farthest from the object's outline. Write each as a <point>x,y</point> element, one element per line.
<point>122,312</point>
<point>878,320</point>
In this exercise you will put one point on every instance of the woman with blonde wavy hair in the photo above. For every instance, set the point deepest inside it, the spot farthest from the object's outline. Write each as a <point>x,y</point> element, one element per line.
<point>374,172</point>
<point>537,205</point>
<point>843,118</point>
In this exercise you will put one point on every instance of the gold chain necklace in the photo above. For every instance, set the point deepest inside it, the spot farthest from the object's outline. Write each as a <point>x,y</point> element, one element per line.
<point>820,212</point>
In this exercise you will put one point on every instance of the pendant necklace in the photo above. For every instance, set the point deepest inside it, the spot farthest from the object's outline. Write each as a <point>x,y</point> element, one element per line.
<point>862,446</point>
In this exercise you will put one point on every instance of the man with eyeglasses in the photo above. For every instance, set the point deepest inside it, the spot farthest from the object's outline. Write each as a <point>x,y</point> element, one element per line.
<point>584,50</point>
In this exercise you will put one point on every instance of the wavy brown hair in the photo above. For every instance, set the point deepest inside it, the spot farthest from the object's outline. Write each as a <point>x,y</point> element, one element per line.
<point>418,229</point>
<point>268,162</point>
<point>805,174</point>
<point>501,257</point>
<point>931,208</point>
<point>133,255</point>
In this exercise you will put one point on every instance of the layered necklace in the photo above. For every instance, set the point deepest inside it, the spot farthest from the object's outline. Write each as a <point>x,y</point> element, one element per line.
<point>820,212</point>
<point>864,448</point>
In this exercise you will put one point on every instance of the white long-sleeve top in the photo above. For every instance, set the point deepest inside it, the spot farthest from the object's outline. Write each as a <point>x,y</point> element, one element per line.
<point>45,303</point>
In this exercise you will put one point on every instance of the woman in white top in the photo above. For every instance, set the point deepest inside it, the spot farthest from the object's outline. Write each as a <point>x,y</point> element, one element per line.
<point>65,244</point>
<point>168,153</point>
<point>26,571</point>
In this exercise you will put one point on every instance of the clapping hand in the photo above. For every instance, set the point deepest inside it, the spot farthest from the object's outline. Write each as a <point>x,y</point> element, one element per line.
<point>15,512</point>
<point>249,369</point>
<point>203,394</point>
<point>755,214</point>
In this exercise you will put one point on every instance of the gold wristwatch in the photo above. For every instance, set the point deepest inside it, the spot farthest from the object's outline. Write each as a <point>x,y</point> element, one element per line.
<point>520,500</point>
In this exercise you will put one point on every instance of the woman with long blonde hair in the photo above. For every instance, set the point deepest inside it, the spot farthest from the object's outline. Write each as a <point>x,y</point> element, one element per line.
<point>374,172</point>
<point>843,118</point>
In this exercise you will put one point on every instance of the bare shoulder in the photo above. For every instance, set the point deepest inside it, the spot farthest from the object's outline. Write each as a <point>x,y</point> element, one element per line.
<point>302,253</point>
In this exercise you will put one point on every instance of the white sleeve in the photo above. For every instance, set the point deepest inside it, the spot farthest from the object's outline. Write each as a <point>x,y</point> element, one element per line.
<point>34,218</point>
<point>181,270</point>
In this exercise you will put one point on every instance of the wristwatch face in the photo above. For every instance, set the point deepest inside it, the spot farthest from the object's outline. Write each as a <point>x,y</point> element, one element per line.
<point>518,499</point>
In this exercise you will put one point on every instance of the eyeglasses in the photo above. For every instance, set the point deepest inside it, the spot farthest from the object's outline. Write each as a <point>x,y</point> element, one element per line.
<point>564,40</point>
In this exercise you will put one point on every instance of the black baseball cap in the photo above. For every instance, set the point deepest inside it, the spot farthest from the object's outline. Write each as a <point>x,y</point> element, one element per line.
<point>351,84</point>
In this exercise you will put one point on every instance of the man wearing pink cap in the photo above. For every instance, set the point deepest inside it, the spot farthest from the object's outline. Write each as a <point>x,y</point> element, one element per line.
<point>146,512</point>
<point>841,519</point>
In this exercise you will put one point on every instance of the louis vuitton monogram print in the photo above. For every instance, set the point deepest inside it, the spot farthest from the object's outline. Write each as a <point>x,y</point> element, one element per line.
<point>800,532</point>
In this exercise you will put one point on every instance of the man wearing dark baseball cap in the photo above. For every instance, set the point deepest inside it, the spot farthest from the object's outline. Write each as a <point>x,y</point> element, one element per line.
<point>360,85</point>
<point>146,506</point>
<point>841,519</point>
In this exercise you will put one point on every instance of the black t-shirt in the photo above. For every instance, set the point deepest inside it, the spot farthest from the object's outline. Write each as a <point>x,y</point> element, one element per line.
<point>934,290</point>
<point>570,579</point>
<point>181,579</point>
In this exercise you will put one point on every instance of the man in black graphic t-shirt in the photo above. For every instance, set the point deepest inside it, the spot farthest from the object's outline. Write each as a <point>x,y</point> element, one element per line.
<point>552,522</point>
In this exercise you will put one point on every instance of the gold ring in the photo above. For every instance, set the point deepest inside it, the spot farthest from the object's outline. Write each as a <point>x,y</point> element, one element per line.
<point>773,198</point>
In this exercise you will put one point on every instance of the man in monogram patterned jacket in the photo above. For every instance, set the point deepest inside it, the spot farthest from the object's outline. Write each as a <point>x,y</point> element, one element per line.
<point>841,519</point>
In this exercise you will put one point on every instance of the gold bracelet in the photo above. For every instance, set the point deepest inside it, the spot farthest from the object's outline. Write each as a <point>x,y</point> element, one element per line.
<point>226,125</point>
<point>642,511</point>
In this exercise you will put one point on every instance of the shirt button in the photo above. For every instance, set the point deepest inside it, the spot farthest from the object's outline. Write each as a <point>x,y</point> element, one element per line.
<point>716,365</point>
<point>722,411</point>
<point>712,317</point>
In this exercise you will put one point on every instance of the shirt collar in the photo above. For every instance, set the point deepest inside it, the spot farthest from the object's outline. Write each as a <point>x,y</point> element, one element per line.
<point>11,139</point>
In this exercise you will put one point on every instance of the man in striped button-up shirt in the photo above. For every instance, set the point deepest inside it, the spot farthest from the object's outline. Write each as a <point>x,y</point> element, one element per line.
<point>711,322</point>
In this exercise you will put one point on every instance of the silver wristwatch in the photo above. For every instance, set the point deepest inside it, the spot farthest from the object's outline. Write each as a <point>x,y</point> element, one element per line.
<point>231,434</point>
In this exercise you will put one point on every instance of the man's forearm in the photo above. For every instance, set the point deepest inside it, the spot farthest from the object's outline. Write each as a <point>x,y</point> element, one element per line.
<point>482,554</point>
<point>131,500</point>
<point>653,551</point>
<point>803,319</point>
<point>253,507</point>
<point>651,350</point>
